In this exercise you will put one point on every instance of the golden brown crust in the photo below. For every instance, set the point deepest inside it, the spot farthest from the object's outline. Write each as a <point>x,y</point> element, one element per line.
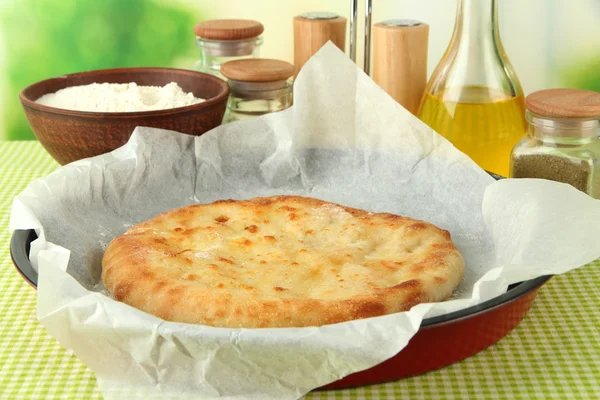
<point>279,261</point>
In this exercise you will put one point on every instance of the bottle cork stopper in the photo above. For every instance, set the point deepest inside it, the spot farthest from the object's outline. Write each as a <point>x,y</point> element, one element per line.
<point>257,70</point>
<point>400,60</point>
<point>564,103</point>
<point>312,30</point>
<point>228,29</point>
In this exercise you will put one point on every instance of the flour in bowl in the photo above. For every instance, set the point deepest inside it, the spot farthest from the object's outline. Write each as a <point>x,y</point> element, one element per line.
<point>119,97</point>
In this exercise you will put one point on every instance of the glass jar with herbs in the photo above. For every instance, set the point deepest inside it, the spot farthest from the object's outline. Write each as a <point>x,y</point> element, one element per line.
<point>224,40</point>
<point>257,86</point>
<point>562,143</point>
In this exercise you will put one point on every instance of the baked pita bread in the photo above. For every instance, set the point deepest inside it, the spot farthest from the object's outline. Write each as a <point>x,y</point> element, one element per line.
<point>282,261</point>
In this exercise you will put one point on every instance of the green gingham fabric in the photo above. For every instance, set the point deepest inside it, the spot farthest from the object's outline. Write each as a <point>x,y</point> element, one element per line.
<point>553,354</point>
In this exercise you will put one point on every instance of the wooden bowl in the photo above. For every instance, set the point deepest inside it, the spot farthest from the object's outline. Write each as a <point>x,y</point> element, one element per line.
<point>71,135</point>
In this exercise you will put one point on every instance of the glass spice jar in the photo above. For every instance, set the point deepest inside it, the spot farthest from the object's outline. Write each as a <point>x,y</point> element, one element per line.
<point>562,143</point>
<point>257,86</point>
<point>224,40</point>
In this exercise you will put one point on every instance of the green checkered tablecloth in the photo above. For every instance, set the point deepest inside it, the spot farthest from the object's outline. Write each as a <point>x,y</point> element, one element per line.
<point>553,354</point>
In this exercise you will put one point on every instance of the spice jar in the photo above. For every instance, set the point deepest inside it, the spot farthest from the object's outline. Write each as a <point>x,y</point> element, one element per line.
<point>257,86</point>
<point>224,40</point>
<point>562,143</point>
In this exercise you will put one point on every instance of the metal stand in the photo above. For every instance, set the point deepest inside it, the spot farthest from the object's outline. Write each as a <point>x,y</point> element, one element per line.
<point>367,63</point>
<point>353,26</point>
<point>353,17</point>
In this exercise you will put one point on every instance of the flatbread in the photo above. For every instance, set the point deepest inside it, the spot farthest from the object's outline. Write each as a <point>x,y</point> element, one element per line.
<point>282,261</point>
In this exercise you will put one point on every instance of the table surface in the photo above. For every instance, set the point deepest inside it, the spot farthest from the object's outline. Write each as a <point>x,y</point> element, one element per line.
<point>554,353</point>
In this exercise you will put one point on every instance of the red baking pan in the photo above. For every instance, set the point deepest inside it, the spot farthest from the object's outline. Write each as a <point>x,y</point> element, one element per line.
<point>441,340</point>
<point>452,337</point>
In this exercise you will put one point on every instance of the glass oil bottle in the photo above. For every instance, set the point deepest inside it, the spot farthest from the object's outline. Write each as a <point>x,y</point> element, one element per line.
<point>474,97</point>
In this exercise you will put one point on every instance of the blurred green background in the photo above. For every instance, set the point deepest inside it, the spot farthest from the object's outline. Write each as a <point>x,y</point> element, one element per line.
<point>585,75</point>
<point>551,43</point>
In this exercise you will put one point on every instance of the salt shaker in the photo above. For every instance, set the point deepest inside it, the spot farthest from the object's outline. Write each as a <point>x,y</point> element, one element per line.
<point>400,60</point>
<point>562,142</point>
<point>257,87</point>
<point>224,40</point>
<point>312,30</point>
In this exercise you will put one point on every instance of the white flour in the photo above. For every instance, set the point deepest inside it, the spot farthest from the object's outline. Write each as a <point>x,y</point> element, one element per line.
<point>119,97</point>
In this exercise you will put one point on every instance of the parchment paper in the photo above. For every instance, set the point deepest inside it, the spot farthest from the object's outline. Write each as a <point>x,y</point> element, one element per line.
<point>345,141</point>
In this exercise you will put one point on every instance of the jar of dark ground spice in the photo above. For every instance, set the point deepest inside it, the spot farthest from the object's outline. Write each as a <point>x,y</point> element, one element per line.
<point>562,142</point>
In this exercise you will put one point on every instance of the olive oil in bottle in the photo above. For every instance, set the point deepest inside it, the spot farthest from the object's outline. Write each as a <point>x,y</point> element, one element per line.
<point>474,98</point>
<point>480,123</point>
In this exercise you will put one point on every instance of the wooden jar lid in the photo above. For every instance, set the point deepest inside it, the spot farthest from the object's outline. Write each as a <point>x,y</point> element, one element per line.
<point>564,103</point>
<point>257,70</point>
<point>228,29</point>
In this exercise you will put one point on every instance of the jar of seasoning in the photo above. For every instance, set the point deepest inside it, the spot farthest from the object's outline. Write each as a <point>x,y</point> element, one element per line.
<point>257,86</point>
<point>562,143</point>
<point>224,40</point>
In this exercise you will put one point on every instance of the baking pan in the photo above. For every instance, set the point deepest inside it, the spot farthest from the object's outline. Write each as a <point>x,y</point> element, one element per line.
<point>441,340</point>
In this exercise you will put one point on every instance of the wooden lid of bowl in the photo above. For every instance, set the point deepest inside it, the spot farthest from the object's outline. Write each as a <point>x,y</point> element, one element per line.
<point>257,70</point>
<point>228,29</point>
<point>564,103</point>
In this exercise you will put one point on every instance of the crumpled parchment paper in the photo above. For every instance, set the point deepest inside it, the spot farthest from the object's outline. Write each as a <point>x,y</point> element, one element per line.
<point>345,141</point>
